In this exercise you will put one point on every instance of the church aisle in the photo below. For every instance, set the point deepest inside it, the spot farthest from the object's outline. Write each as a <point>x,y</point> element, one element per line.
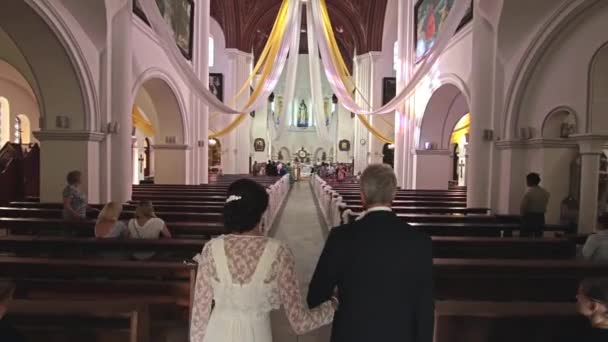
<point>300,228</point>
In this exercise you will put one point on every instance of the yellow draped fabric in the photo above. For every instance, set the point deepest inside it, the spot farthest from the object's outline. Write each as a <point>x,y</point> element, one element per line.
<point>267,58</point>
<point>462,128</point>
<point>344,74</point>
<point>141,122</point>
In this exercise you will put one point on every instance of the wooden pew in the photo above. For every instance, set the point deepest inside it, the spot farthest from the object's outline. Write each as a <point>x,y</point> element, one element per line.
<point>71,247</point>
<point>185,249</point>
<point>126,215</point>
<point>212,207</point>
<point>501,248</point>
<point>481,229</point>
<point>458,321</point>
<point>155,283</point>
<point>80,320</point>
<point>41,226</point>
<point>511,280</point>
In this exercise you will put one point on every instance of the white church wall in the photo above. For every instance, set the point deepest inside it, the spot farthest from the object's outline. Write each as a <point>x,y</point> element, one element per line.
<point>433,169</point>
<point>561,76</point>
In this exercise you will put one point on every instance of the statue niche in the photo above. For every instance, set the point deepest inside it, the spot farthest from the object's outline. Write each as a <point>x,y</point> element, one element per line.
<point>303,118</point>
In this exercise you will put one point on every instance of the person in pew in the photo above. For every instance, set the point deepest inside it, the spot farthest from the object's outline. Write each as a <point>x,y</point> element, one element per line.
<point>533,208</point>
<point>7,332</point>
<point>596,246</point>
<point>74,200</point>
<point>592,302</point>
<point>108,224</point>
<point>146,225</point>
<point>248,275</point>
<point>382,270</point>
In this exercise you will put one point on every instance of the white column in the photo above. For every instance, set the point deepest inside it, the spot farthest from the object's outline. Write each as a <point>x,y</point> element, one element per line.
<point>200,129</point>
<point>120,137</point>
<point>363,74</point>
<point>591,148</point>
<point>237,145</point>
<point>480,151</point>
<point>404,118</point>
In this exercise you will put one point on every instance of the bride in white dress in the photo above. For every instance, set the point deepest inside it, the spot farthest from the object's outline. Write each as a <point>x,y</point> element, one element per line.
<point>245,276</point>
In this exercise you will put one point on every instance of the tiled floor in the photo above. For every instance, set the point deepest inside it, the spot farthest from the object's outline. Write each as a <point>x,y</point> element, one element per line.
<point>299,226</point>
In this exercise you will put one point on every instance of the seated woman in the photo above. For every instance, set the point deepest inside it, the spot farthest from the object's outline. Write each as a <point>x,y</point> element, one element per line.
<point>592,303</point>
<point>108,224</point>
<point>247,275</point>
<point>596,246</point>
<point>74,200</point>
<point>146,225</point>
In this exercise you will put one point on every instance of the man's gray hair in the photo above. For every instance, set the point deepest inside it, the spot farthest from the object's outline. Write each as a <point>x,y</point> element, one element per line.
<point>378,184</point>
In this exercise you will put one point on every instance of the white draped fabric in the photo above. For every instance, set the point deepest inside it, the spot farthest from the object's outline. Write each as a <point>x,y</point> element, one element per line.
<point>448,29</point>
<point>277,130</point>
<point>316,87</point>
<point>167,42</point>
<point>277,194</point>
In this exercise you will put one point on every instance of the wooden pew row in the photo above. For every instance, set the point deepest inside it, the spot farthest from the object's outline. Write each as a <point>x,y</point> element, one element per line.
<point>358,204</point>
<point>156,283</point>
<point>208,208</point>
<point>178,197</point>
<point>80,320</point>
<point>171,283</point>
<point>458,321</point>
<point>511,280</point>
<point>39,226</point>
<point>185,249</point>
<point>412,197</point>
<point>125,215</point>
<point>429,210</point>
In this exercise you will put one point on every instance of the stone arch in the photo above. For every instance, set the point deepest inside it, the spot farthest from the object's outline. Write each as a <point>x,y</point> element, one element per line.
<point>318,154</point>
<point>286,153</point>
<point>165,96</point>
<point>54,64</point>
<point>5,121</point>
<point>598,91</point>
<point>552,125</point>
<point>553,27</point>
<point>15,88</point>
<point>445,107</point>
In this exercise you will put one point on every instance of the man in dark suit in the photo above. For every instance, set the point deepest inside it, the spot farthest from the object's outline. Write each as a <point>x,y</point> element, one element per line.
<point>382,271</point>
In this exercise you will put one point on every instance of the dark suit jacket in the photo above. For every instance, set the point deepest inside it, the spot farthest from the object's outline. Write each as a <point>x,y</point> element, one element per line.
<point>383,271</point>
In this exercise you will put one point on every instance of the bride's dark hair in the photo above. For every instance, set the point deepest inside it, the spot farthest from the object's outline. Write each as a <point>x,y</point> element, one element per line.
<point>246,203</point>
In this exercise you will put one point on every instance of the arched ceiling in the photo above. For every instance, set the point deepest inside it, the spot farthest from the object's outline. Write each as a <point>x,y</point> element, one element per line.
<point>358,24</point>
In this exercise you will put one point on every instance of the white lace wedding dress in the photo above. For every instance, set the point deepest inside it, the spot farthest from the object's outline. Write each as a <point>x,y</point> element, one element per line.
<point>247,277</point>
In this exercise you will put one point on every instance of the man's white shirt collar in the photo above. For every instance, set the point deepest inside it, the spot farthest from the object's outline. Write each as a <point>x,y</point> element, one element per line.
<point>374,209</point>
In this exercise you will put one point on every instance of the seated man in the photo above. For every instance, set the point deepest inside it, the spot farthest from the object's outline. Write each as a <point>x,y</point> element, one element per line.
<point>7,332</point>
<point>596,246</point>
<point>533,208</point>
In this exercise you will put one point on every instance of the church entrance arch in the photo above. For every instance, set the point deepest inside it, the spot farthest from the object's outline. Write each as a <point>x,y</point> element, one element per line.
<point>159,150</point>
<point>441,155</point>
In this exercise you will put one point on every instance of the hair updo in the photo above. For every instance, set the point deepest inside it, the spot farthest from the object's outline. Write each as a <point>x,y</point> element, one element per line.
<point>247,202</point>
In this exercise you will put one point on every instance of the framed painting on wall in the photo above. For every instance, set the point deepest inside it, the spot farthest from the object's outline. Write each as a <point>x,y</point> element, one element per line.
<point>389,89</point>
<point>344,145</point>
<point>216,85</point>
<point>179,14</point>
<point>259,145</point>
<point>430,16</point>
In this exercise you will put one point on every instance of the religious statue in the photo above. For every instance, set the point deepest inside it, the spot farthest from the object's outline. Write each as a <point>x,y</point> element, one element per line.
<point>280,156</point>
<point>302,115</point>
